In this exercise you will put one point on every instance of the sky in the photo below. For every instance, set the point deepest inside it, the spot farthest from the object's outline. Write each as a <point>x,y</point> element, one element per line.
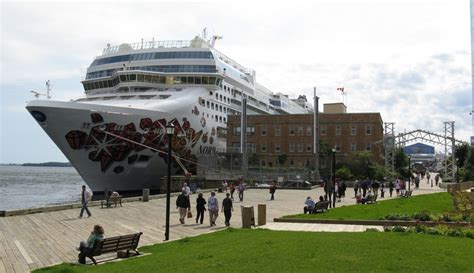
<point>408,60</point>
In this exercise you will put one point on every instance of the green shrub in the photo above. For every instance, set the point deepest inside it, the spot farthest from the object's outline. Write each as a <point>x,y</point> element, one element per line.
<point>422,216</point>
<point>433,231</point>
<point>454,232</point>
<point>446,217</point>
<point>398,229</point>
<point>420,229</point>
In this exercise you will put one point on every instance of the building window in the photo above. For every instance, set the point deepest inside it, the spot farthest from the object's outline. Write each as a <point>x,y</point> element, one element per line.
<point>292,162</point>
<point>292,147</point>
<point>277,148</point>
<point>308,131</point>
<point>277,131</point>
<point>308,148</point>
<point>300,148</point>
<point>307,163</point>
<point>300,131</point>
<point>263,148</point>
<point>263,162</point>
<point>353,131</point>
<point>323,130</point>
<point>338,147</point>
<point>263,131</point>
<point>292,131</point>
<point>338,130</point>
<point>236,131</point>
<point>353,147</point>
<point>368,147</point>
<point>368,130</point>
<point>250,130</point>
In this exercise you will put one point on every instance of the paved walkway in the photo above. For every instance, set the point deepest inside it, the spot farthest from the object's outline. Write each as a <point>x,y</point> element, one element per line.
<point>37,240</point>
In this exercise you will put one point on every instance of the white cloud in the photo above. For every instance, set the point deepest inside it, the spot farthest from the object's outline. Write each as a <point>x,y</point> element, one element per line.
<point>408,60</point>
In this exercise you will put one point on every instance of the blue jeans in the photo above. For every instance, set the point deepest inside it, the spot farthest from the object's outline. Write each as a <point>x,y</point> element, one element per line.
<point>84,207</point>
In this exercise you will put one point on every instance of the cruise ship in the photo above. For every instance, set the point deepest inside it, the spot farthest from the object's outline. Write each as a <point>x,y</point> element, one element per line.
<point>113,133</point>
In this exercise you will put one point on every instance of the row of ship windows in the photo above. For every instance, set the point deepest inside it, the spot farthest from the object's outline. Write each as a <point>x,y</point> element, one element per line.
<point>140,97</point>
<point>151,79</point>
<point>210,105</point>
<point>155,55</point>
<point>300,130</point>
<point>292,148</point>
<point>157,68</point>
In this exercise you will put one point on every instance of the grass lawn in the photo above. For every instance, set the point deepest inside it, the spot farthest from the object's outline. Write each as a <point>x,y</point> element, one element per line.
<point>239,250</point>
<point>433,203</point>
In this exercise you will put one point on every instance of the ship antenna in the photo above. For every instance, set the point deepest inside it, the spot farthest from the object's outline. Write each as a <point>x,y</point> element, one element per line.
<point>204,33</point>
<point>48,89</point>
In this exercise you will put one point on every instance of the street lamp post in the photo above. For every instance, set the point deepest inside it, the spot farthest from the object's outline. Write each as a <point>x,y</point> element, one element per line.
<point>409,172</point>
<point>169,133</point>
<point>333,178</point>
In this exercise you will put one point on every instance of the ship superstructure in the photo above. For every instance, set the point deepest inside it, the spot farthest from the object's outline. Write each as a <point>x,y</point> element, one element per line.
<point>133,91</point>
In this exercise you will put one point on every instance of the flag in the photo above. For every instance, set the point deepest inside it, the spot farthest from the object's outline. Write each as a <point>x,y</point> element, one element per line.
<point>340,89</point>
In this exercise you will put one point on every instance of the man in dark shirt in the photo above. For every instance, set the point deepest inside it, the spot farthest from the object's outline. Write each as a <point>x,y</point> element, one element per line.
<point>227,208</point>
<point>183,205</point>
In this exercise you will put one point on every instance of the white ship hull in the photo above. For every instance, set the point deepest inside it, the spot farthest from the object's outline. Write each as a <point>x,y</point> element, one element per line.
<point>108,162</point>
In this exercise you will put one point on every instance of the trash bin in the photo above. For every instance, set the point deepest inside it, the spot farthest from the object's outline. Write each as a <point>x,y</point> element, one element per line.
<point>262,214</point>
<point>248,217</point>
<point>146,195</point>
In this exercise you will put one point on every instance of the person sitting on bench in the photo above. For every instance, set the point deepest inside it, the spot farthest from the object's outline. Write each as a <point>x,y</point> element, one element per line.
<point>370,195</point>
<point>309,205</point>
<point>358,198</point>
<point>85,248</point>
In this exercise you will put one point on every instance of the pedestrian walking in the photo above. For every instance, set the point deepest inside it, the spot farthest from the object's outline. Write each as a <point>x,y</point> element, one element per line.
<point>213,207</point>
<point>390,188</point>
<point>183,206</point>
<point>241,191</point>
<point>227,208</point>
<point>86,196</point>
<point>382,190</point>
<point>272,190</point>
<point>232,190</point>
<point>356,187</point>
<point>397,187</point>
<point>200,208</point>
<point>343,189</point>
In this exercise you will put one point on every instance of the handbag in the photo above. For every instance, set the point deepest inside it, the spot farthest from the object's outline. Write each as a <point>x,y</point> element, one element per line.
<point>190,215</point>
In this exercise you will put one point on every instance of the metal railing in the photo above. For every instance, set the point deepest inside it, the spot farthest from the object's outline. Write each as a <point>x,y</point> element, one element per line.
<point>147,45</point>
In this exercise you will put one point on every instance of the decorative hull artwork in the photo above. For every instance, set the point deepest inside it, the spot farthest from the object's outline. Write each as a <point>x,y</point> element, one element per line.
<point>107,149</point>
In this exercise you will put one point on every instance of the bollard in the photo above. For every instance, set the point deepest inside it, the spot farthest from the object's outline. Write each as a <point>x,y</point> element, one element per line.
<point>262,214</point>
<point>248,218</point>
<point>146,195</point>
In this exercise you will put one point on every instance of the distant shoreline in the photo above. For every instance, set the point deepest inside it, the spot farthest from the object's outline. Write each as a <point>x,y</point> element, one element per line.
<point>44,164</point>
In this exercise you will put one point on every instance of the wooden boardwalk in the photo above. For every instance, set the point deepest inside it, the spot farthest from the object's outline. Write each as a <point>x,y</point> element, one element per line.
<point>37,240</point>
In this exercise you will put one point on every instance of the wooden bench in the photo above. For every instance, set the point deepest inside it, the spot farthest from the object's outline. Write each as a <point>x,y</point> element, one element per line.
<point>321,206</point>
<point>115,244</point>
<point>112,200</point>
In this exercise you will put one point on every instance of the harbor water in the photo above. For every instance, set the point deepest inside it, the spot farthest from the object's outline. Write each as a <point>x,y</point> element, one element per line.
<point>27,187</point>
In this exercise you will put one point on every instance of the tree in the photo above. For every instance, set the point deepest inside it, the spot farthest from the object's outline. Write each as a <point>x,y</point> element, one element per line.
<point>461,153</point>
<point>468,169</point>
<point>344,173</point>
<point>253,160</point>
<point>360,164</point>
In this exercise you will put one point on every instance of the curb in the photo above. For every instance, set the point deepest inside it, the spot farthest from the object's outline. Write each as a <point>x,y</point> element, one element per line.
<point>370,222</point>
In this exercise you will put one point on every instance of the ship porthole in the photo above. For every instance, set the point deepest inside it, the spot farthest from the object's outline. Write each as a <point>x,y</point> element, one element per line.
<point>39,116</point>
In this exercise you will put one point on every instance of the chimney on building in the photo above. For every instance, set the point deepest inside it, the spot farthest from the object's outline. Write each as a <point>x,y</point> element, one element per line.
<point>335,108</point>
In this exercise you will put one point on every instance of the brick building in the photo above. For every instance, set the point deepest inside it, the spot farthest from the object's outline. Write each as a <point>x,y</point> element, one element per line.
<point>270,136</point>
